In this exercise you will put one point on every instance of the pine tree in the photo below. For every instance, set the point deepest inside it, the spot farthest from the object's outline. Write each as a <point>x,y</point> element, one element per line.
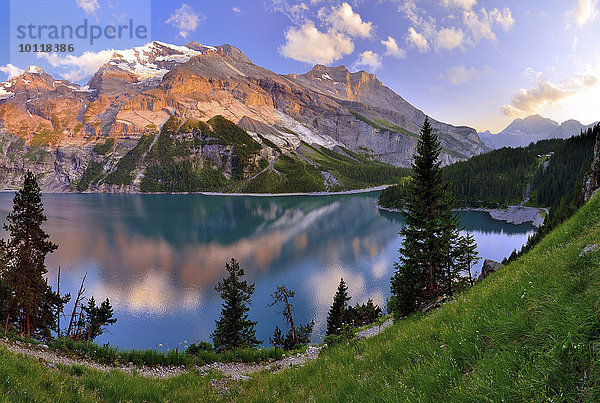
<point>426,240</point>
<point>467,254</point>
<point>449,242</point>
<point>4,293</point>
<point>30,303</point>
<point>337,313</point>
<point>234,329</point>
<point>277,340</point>
<point>96,317</point>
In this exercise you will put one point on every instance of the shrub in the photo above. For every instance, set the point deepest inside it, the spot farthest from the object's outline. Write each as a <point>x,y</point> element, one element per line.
<point>194,349</point>
<point>345,336</point>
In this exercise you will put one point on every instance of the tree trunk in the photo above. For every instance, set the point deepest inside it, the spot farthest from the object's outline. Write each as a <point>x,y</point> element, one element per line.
<point>288,309</point>
<point>59,309</point>
<point>6,324</point>
<point>470,277</point>
<point>432,280</point>
<point>77,300</point>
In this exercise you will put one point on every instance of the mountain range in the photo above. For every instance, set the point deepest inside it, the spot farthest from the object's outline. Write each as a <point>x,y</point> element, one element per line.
<point>52,126</point>
<point>533,128</point>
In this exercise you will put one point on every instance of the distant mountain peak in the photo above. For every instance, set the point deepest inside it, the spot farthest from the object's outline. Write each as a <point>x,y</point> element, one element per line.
<point>533,128</point>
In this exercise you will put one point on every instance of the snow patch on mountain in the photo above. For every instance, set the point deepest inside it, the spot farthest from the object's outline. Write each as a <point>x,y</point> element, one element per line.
<point>33,70</point>
<point>4,94</point>
<point>305,134</point>
<point>149,63</point>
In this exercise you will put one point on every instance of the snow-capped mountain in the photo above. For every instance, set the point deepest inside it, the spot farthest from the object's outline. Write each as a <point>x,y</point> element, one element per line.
<point>147,64</point>
<point>137,90</point>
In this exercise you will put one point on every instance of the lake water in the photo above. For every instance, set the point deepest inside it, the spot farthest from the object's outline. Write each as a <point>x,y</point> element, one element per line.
<point>158,257</point>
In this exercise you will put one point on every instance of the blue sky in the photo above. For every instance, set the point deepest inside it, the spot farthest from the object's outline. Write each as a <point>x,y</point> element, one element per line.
<point>469,62</point>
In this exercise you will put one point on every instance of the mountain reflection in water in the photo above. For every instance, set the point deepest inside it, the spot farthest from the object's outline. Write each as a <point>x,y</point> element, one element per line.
<point>158,257</point>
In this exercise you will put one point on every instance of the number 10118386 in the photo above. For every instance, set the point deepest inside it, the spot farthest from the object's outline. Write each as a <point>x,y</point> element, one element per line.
<point>46,47</point>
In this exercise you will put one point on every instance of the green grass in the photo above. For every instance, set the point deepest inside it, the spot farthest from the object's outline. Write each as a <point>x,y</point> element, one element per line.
<point>383,125</point>
<point>528,332</point>
<point>150,357</point>
<point>26,379</point>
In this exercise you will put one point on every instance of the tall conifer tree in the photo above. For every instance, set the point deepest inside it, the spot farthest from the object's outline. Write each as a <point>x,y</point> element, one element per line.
<point>428,221</point>
<point>234,329</point>
<point>30,303</point>
<point>337,313</point>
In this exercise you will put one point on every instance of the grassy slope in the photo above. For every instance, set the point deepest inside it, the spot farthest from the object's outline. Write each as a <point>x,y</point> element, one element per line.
<point>526,333</point>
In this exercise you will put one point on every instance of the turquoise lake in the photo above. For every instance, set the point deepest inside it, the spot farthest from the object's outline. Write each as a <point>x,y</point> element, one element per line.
<point>158,257</point>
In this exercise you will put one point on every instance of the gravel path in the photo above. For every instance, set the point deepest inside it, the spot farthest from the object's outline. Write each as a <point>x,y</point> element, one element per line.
<point>374,330</point>
<point>51,358</point>
<point>231,371</point>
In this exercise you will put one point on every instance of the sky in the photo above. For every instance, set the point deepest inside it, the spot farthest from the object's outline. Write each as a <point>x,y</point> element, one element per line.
<point>480,63</point>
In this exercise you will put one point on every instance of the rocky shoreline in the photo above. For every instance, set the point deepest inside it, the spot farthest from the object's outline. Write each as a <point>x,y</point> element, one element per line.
<point>516,215</point>
<point>344,192</point>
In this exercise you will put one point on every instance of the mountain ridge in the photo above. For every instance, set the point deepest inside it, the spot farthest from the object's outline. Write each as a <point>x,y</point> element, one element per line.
<point>138,89</point>
<point>523,131</point>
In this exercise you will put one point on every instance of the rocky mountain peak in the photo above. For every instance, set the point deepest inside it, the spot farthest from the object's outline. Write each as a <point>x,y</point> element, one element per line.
<point>34,70</point>
<point>339,74</point>
<point>35,78</point>
<point>533,128</point>
<point>234,53</point>
<point>138,89</point>
<point>144,66</point>
<point>531,125</point>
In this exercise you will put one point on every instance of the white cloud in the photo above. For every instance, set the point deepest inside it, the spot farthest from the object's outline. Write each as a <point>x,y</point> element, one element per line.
<point>236,10</point>
<point>297,13</point>
<point>368,59</point>
<point>88,6</point>
<point>344,19</point>
<point>11,70</point>
<point>481,24</point>
<point>392,48</point>
<point>466,4</point>
<point>474,26</point>
<point>530,72</point>
<point>78,67</point>
<point>411,11</point>
<point>449,38</point>
<point>460,74</point>
<point>528,101</point>
<point>185,19</point>
<point>575,43</point>
<point>307,44</point>
<point>503,18</point>
<point>586,12</point>
<point>417,40</point>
